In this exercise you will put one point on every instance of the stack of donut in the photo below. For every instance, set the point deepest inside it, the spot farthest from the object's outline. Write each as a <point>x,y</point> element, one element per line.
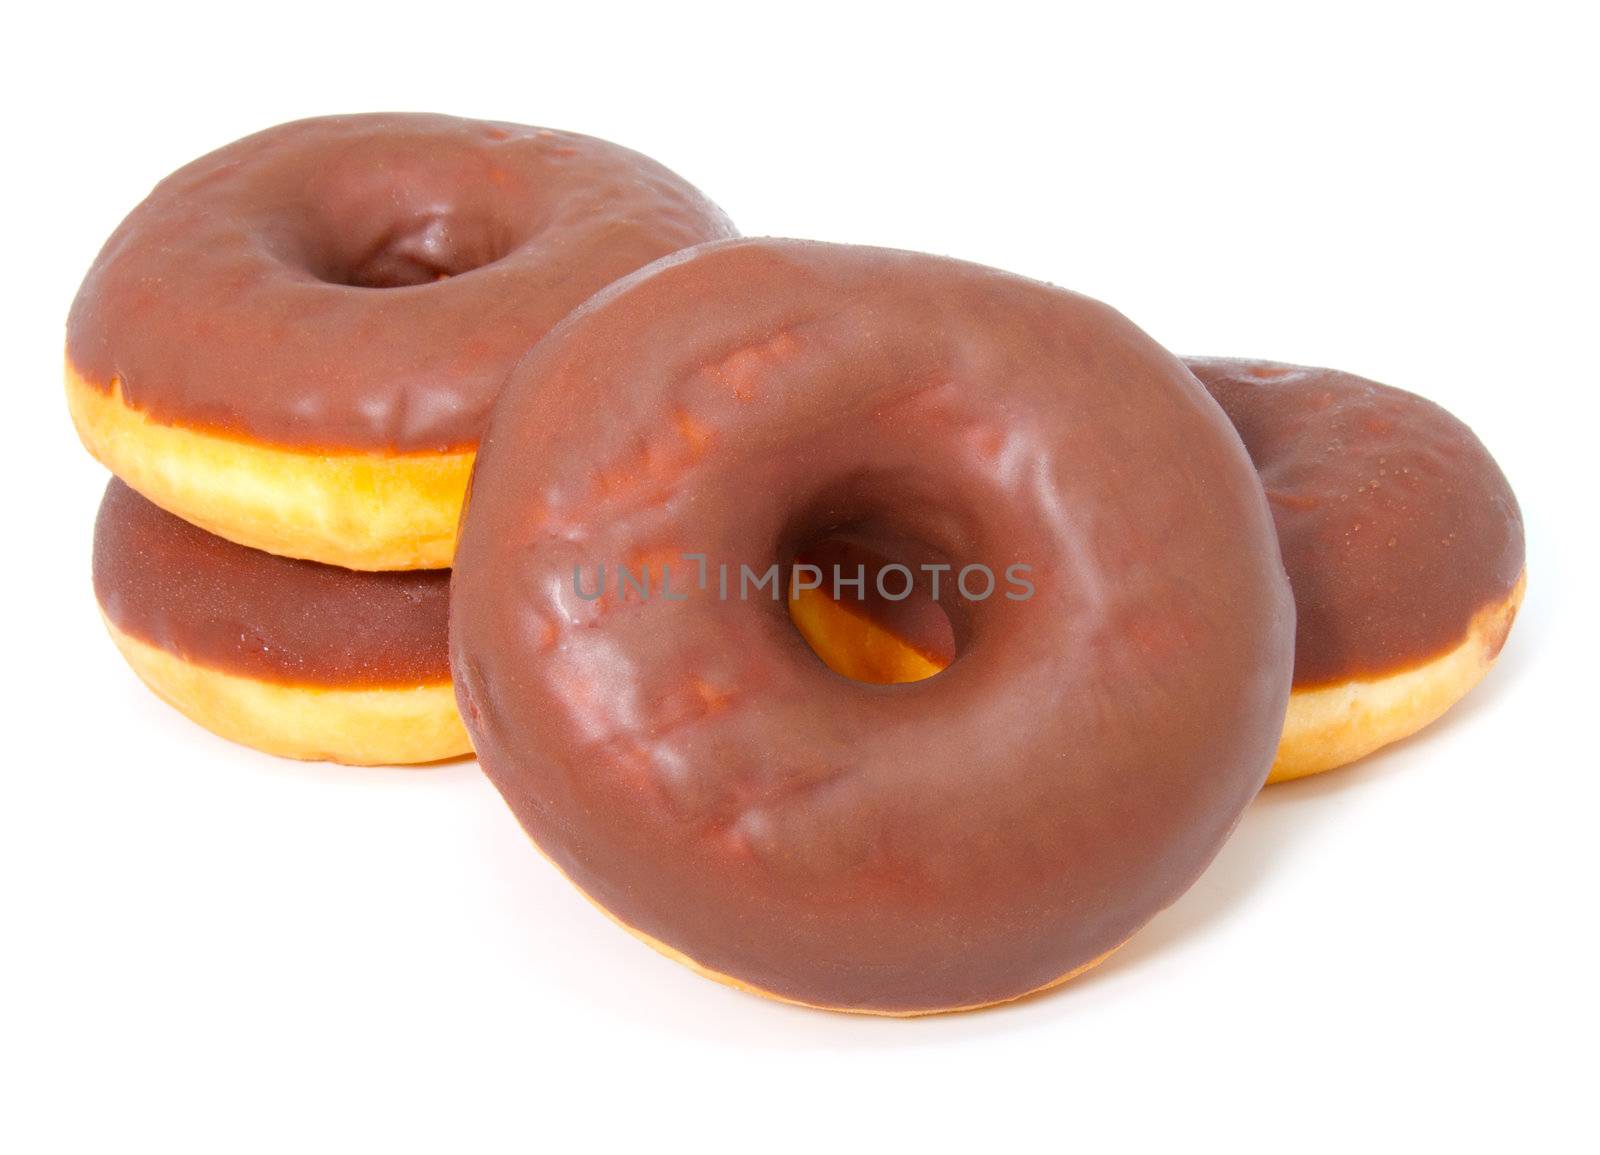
<point>868,630</point>
<point>286,355</point>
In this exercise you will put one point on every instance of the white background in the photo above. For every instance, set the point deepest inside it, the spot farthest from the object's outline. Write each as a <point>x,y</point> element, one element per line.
<point>205,949</point>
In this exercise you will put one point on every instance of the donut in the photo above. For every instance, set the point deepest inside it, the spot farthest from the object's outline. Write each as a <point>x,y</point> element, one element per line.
<point>627,669</point>
<point>1403,543</point>
<point>291,657</point>
<point>295,340</point>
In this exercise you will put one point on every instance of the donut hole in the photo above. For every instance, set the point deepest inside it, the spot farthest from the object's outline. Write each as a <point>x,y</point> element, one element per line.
<point>871,609</point>
<point>423,250</point>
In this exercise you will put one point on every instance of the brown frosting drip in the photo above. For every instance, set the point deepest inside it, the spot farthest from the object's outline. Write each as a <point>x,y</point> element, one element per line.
<point>1396,525</point>
<point>241,611</point>
<point>365,282</point>
<point>699,772</point>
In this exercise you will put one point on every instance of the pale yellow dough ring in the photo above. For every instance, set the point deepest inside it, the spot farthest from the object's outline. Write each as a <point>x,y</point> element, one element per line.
<point>365,511</point>
<point>358,727</point>
<point>1331,726</point>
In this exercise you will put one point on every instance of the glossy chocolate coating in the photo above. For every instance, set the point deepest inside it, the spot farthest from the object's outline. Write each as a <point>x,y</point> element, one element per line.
<point>699,772</point>
<point>277,619</point>
<point>1395,523</point>
<point>365,282</point>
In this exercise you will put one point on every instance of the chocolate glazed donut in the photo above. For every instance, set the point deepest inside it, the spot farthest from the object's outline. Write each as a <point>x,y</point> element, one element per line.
<point>291,657</point>
<point>694,768</point>
<point>1403,543</point>
<point>294,341</point>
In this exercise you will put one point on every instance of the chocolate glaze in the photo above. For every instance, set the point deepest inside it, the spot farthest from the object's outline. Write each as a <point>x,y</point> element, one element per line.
<point>698,771</point>
<point>241,611</point>
<point>365,282</point>
<point>1395,523</point>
